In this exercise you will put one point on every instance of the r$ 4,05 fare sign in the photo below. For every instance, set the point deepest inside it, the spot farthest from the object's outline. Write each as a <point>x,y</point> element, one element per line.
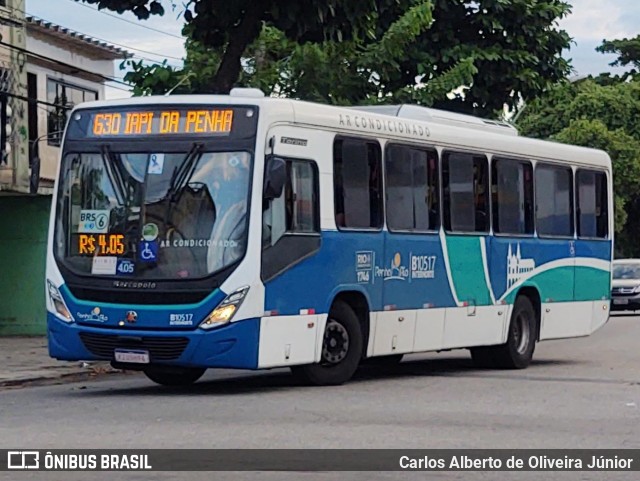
<point>101,244</point>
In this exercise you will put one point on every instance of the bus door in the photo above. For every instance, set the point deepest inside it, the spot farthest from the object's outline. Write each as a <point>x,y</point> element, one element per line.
<point>592,246</point>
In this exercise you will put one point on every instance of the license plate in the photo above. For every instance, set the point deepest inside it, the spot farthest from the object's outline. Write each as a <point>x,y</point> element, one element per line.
<point>621,301</point>
<point>133,356</point>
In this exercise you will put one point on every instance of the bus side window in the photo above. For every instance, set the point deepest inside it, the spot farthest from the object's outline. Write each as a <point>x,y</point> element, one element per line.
<point>411,188</point>
<point>296,210</point>
<point>591,192</point>
<point>465,183</point>
<point>512,195</point>
<point>357,174</point>
<point>554,200</point>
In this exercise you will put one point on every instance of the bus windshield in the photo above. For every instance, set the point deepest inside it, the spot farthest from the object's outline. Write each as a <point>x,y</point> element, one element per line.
<point>165,216</point>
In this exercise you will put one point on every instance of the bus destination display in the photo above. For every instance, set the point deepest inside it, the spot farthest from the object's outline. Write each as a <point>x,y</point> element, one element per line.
<point>169,122</point>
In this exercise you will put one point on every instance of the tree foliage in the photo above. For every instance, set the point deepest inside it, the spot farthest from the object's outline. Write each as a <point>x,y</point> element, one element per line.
<point>514,44</point>
<point>346,72</point>
<point>627,50</point>
<point>343,51</point>
<point>231,26</point>
<point>601,116</point>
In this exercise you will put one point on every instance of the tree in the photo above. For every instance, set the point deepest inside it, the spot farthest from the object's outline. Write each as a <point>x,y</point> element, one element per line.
<point>511,47</point>
<point>231,26</point>
<point>604,117</point>
<point>514,44</point>
<point>627,50</point>
<point>347,72</point>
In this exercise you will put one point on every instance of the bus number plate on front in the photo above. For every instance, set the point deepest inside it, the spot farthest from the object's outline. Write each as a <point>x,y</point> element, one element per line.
<point>136,357</point>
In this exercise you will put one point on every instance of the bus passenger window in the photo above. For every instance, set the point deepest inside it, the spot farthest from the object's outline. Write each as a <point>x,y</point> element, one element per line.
<point>296,210</point>
<point>512,196</point>
<point>554,201</point>
<point>357,175</point>
<point>412,189</point>
<point>465,183</point>
<point>592,197</point>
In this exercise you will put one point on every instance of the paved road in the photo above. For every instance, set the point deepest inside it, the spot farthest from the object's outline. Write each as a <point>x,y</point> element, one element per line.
<point>580,393</point>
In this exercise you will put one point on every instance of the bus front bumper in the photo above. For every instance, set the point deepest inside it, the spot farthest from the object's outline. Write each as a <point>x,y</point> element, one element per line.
<point>232,346</point>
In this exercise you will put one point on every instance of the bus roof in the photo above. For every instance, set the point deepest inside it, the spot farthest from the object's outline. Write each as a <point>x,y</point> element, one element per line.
<point>409,122</point>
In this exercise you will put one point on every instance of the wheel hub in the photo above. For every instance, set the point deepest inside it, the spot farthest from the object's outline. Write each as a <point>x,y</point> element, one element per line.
<point>521,333</point>
<point>336,342</point>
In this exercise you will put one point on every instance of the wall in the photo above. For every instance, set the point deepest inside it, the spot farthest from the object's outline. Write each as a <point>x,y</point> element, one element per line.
<point>72,52</point>
<point>23,240</point>
<point>14,174</point>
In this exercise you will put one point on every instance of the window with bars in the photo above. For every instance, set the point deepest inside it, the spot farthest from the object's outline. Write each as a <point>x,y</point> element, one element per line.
<point>64,96</point>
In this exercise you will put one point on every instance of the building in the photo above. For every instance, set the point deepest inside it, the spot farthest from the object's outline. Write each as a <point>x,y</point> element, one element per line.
<point>45,70</point>
<point>64,68</point>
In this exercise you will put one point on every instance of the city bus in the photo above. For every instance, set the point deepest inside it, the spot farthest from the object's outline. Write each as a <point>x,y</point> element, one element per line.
<point>248,232</point>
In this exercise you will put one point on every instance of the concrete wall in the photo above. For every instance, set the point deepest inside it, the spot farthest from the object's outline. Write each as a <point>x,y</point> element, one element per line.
<point>23,241</point>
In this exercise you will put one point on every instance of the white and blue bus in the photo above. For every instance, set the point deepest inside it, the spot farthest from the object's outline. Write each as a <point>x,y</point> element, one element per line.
<point>195,232</point>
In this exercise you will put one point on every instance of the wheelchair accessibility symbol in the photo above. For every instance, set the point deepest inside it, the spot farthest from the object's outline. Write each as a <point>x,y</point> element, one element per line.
<point>148,251</point>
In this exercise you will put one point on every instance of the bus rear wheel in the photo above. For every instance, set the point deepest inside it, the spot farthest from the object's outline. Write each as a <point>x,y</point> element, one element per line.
<point>341,349</point>
<point>184,376</point>
<point>517,352</point>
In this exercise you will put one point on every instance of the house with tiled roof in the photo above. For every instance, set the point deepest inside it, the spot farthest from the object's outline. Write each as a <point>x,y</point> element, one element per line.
<point>65,68</point>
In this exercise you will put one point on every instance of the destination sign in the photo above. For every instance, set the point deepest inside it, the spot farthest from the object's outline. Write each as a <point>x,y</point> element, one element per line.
<point>164,122</point>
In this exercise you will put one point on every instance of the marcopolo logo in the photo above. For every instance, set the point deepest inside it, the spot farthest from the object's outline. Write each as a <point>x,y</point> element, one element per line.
<point>93,222</point>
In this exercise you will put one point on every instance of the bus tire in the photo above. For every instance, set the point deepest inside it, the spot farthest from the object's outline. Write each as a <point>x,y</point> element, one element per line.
<point>517,352</point>
<point>483,357</point>
<point>341,349</point>
<point>174,376</point>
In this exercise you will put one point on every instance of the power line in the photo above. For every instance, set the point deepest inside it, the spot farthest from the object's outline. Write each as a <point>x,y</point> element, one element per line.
<point>118,88</point>
<point>42,57</point>
<point>32,101</point>
<point>17,22</point>
<point>126,20</point>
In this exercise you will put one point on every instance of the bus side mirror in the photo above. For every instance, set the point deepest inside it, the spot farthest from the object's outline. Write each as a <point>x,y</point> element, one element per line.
<point>275,176</point>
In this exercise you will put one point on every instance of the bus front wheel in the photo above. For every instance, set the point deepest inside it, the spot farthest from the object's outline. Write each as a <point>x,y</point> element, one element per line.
<point>174,376</point>
<point>517,352</point>
<point>341,349</point>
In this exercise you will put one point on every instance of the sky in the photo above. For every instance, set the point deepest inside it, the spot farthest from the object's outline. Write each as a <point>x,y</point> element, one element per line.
<point>590,22</point>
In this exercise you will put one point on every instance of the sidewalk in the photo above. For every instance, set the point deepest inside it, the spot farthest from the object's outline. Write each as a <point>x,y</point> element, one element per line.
<point>26,361</point>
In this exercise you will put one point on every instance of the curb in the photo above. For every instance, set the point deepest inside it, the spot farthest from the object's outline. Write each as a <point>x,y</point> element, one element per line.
<point>67,377</point>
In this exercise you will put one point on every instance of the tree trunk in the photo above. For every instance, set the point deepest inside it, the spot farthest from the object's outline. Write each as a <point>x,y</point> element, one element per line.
<point>239,39</point>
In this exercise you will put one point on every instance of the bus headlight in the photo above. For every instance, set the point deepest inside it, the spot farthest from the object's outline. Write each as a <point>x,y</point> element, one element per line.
<point>226,309</point>
<point>58,303</point>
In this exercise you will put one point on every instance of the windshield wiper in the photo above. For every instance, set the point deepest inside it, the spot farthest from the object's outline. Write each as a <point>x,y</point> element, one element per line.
<point>114,175</point>
<point>181,176</point>
<point>183,172</point>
